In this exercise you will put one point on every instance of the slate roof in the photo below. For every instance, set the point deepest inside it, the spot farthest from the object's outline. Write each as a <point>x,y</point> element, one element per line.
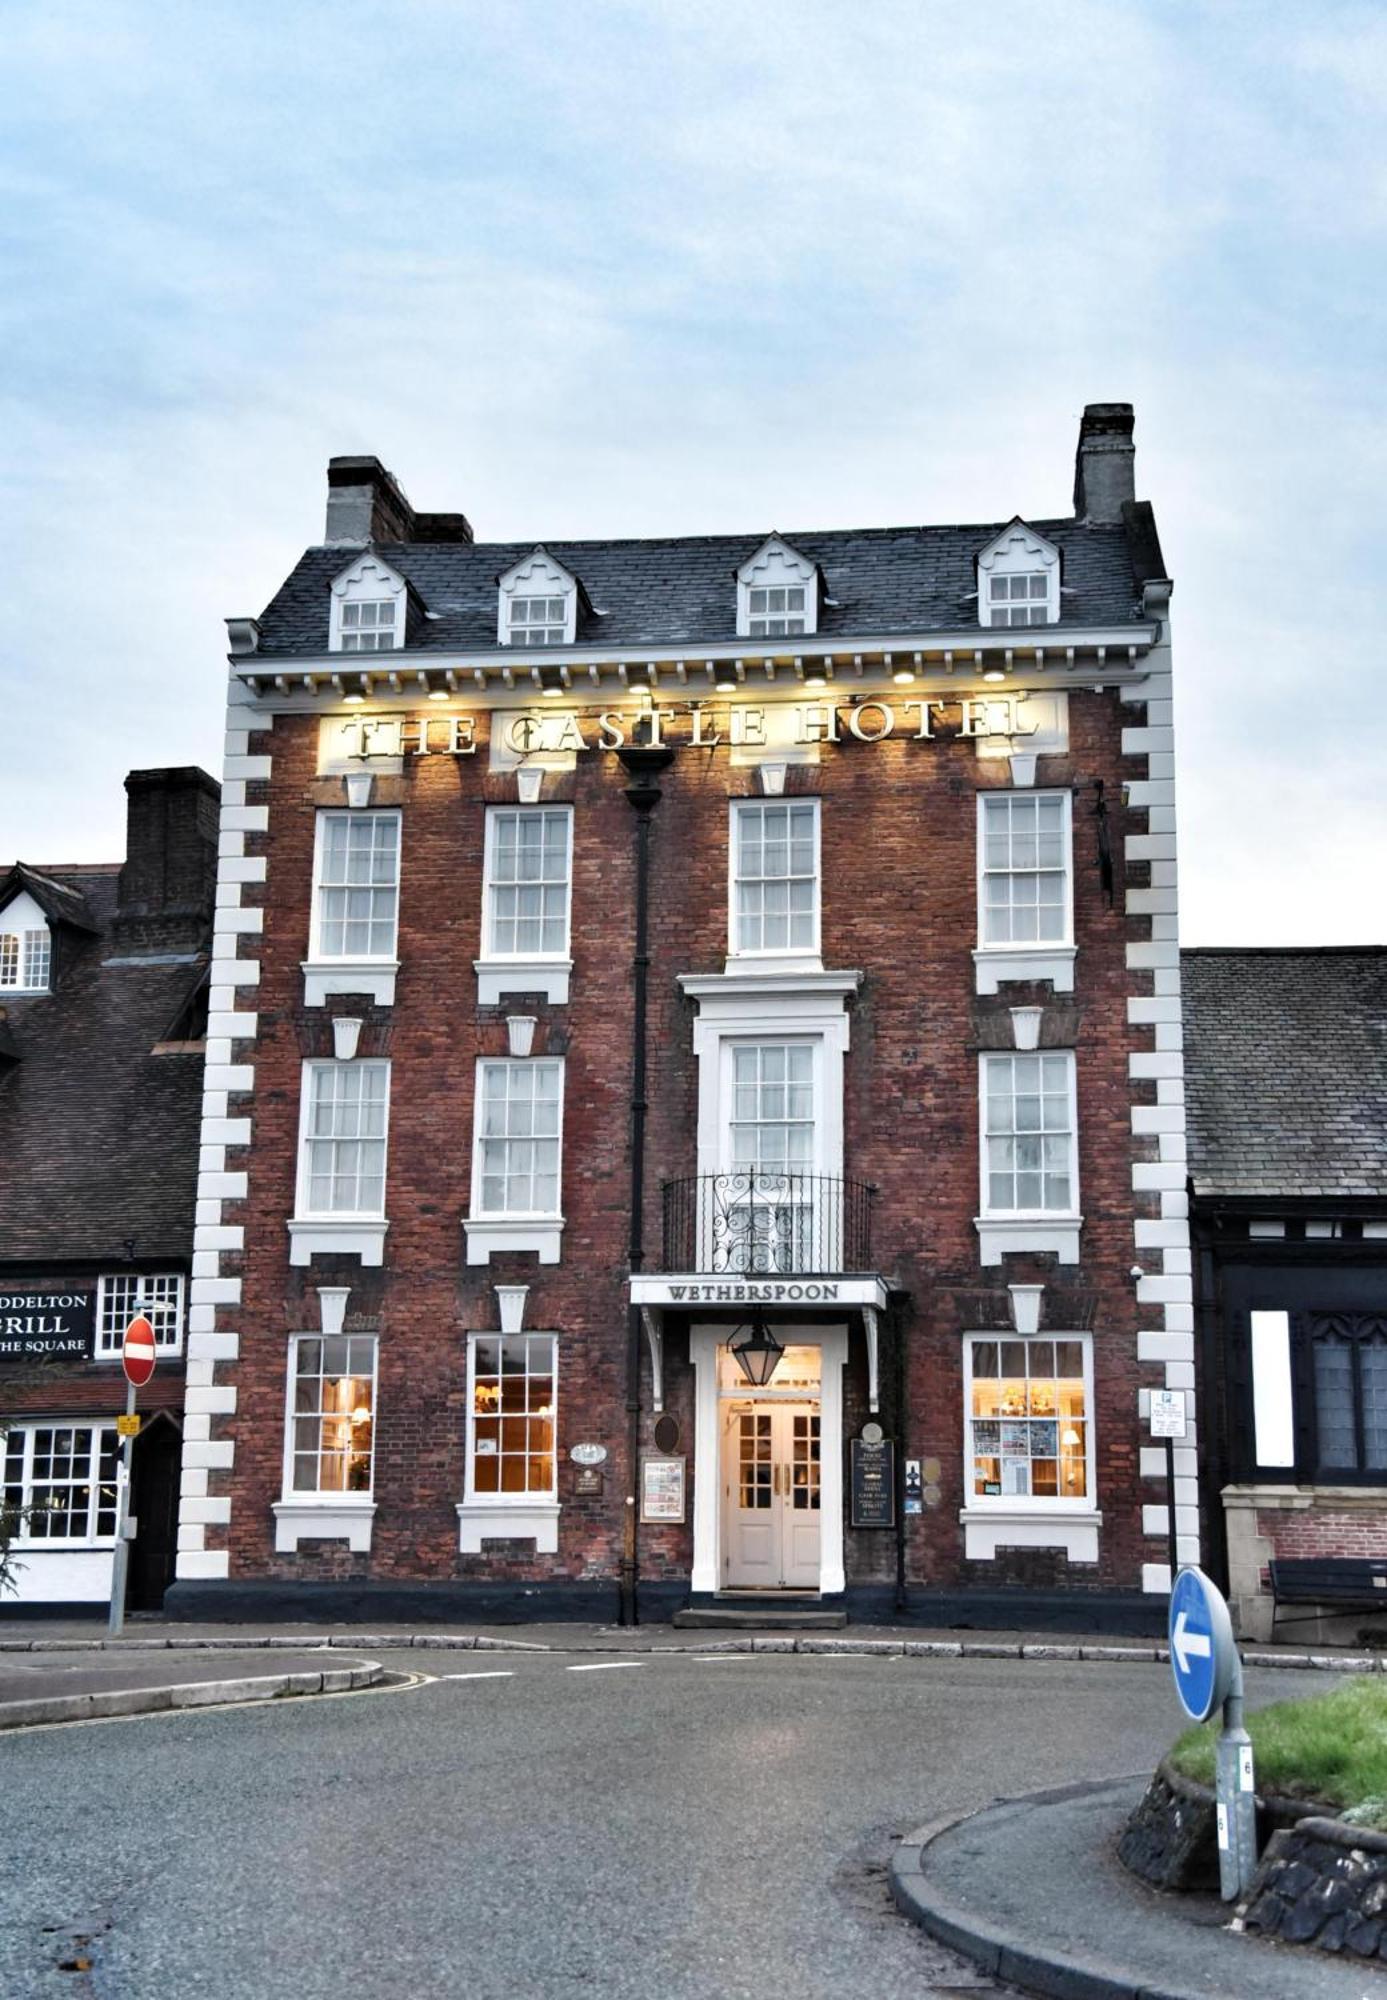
<point>98,1137</point>
<point>1286,1071</point>
<point>683,591</point>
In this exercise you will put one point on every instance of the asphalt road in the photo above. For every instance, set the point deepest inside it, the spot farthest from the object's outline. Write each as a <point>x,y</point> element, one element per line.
<point>539,1825</point>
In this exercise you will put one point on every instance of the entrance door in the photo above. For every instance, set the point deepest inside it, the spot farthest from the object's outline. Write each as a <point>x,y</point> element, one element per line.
<point>154,1503</point>
<point>770,1466</point>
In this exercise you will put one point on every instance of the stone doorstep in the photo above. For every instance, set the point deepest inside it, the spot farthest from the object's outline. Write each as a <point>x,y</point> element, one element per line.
<point>108,1703</point>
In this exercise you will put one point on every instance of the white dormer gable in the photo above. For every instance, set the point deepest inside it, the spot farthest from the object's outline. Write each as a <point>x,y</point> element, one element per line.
<point>26,947</point>
<point>1019,578</point>
<point>537,604</point>
<point>777,593</point>
<point>370,604</point>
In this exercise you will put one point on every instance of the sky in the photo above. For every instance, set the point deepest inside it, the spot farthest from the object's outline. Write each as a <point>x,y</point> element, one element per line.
<point>587,267</point>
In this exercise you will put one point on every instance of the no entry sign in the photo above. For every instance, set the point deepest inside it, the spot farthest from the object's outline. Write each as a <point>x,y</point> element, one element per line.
<point>137,1353</point>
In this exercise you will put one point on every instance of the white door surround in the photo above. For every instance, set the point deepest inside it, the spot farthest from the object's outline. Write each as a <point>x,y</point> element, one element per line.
<point>705,1341</point>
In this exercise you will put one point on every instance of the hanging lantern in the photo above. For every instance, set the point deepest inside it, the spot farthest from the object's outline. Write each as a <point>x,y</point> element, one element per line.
<point>756,1351</point>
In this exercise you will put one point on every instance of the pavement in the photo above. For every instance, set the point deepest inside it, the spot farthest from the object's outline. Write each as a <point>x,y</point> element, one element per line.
<point>1031,1890</point>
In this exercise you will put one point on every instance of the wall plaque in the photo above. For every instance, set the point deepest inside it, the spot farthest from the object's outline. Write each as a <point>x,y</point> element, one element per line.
<point>56,1322</point>
<point>662,1489</point>
<point>588,1454</point>
<point>589,1479</point>
<point>873,1483</point>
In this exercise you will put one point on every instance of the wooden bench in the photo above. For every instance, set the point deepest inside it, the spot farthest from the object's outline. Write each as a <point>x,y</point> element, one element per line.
<point>1335,1583</point>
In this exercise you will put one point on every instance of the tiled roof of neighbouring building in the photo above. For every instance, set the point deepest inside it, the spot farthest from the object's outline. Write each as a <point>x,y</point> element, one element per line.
<point>98,1134</point>
<point>1286,1071</point>
<point>683,591</point>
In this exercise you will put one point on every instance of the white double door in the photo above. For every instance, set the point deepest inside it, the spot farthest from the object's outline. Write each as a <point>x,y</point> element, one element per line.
<point>771,1495</point>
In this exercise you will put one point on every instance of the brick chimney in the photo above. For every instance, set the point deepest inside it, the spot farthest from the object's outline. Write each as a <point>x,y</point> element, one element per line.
<point>169,879</point>
<point>1105,464</point>
<point>365,503</point>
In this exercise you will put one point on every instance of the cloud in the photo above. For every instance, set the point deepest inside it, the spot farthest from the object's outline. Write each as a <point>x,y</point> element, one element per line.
<point>622,269</point>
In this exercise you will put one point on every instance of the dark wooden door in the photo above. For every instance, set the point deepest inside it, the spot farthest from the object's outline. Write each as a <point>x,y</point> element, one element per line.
<point>154,1502</point>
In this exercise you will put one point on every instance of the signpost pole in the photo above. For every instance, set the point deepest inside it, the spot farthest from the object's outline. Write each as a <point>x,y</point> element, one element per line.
<point>137,1359</point>
<point>1208,1672</point>
<point>1235,1794</point>
<point>121,1563</point>
<point>1171,1545</point>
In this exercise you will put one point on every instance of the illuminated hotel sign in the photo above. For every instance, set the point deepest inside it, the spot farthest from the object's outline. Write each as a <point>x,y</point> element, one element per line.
<point>699,725</point>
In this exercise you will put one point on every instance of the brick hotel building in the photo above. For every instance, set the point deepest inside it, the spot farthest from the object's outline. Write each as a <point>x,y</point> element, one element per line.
<point>694,1099</point>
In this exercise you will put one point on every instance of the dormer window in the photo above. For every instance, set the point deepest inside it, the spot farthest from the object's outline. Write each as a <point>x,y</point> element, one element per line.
<point>538,621</point>
<point>26,950</point>
<point>538,603</point>
<point>369,627</point>
<point>1019,579</point>
<point>370,606</point>
<point>777,593</point>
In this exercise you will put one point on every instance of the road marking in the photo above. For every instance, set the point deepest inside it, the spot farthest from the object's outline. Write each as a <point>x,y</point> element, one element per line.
<point>495,1674</point>
<point>605,1666</point>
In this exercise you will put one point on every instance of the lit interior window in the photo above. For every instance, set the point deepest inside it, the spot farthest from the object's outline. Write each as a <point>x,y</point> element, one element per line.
<point>1029,1420</point>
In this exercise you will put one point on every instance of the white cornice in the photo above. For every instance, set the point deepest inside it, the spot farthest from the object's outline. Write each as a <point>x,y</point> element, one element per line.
<point>1045,655</point>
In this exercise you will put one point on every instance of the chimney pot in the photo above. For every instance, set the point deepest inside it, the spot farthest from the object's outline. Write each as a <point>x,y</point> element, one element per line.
<point>1105,464</point>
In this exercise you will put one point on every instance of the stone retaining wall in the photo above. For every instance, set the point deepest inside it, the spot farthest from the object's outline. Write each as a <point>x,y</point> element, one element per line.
<point>1323,1883</point>
<point>1171,1840</point>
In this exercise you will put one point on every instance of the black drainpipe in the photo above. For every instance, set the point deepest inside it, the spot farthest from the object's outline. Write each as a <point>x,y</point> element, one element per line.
<point>644,763</point>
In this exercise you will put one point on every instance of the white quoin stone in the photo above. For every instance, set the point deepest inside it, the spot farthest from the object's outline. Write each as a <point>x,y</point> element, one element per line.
<point>1025,1026</point>
<point>520,1028</point>
<point>359,785</point>
<point>1025,1307</point>
<point>332,1306</point>
<point>346,1034</point>
<point>510,1300</point>
<point>529,781</point>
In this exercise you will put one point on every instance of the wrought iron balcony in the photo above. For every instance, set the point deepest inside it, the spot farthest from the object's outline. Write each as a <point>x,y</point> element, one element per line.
<point>765,1224</point>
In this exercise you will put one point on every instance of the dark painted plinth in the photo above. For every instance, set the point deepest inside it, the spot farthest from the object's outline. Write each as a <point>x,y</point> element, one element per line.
<point>1127,1614</point>
<point>402,1604</point>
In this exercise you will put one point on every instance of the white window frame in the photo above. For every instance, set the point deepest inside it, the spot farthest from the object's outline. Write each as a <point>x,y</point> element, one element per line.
<point>537,575</point>
<point>777,566</point>
<point>1012,1520</point>
<point>1019,550</point>
<point>26,949</point>
<point>729,1048</point>
<point>738,811</point>
<point>492,1231</point>
<point>990,801</point>
<point>1030,961</point>
<point>1001,1230</point>
<point>157,1294</point>
<point>507,1516</point>
<point>328,973</point>
<point>367,580</point>
<point>499,972</point>
<point>28,1429</point>
<point>318,1514</point>
<point>357,1232</point>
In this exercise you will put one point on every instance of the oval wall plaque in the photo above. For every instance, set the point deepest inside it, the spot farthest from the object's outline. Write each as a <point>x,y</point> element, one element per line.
<point>588,1454</point>
<point>872,1433</point>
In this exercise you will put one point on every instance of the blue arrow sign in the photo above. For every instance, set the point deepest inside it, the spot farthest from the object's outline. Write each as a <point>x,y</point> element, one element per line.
<point>1203,1654</point>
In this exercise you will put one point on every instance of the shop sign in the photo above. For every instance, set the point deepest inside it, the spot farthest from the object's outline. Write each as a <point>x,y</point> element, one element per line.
<point>41,1323</point>
<point>772,1293</point>
<point>662,1489</point>
<point>699,725</point>
<point>873,1483</point>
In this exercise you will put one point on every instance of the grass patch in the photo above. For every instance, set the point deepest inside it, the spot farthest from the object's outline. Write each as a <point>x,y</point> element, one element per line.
<point>1331,1748</point>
